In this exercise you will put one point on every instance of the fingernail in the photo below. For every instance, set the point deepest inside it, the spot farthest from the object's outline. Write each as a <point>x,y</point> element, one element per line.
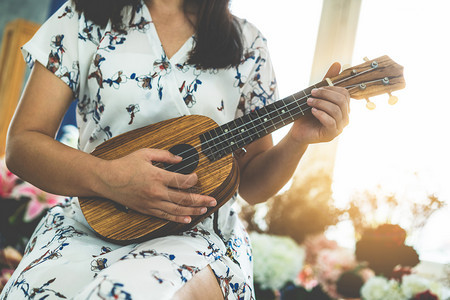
<point>213,203</point>
<point>309,100</point>
<point>187,220</point>
<point>203,210</point>
<point>177,157</point>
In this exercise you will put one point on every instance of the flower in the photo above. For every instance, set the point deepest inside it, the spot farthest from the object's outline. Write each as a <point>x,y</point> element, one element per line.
<point>307,278</point>
<point>330,265</point>
<point>5,274</point>
<point>277,260</point>
<point>414,284</point>
<point>39,200</point>
<point>412,287</point>
<point>379,288</point>
<point>7,181</point>
<point>316,243</point>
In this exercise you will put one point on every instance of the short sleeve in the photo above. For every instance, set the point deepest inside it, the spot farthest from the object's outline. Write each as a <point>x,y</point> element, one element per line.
<point>55,46</point>
<point>260,86</point>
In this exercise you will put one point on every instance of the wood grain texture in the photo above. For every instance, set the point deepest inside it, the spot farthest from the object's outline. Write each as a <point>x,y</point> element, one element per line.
<point>218,179</point>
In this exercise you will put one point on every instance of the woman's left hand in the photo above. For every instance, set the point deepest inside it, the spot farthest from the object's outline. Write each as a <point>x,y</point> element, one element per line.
<point>330,113</point>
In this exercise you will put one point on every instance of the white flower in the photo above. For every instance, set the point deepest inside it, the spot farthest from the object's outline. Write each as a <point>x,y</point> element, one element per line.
<point>394,291</point>
<point>379,288</point>
<point>276,260</point>
<point>414,284</point>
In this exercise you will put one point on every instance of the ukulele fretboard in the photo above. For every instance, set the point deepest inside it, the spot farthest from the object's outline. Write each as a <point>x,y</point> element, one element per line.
<point>240,132</point>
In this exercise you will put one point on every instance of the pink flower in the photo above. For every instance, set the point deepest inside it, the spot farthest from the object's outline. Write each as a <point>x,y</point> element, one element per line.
<point>39,200</point>
<point>7,181</point>
<point>5,274</point>
<point>306,278</point>
<point>316,243</point>
<point>330,265</point>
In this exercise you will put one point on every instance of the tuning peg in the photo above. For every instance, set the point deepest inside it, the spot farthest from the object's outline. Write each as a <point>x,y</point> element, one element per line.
<point>370,105</point>
<point>392,99</point>
<point>365,58</point>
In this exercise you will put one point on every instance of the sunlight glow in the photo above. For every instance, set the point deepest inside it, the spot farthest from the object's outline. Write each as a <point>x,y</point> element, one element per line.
<point>402,148</point>
<point>291,47</point>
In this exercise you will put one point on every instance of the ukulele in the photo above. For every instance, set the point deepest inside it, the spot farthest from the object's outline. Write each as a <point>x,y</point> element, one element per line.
<point>207,148</point>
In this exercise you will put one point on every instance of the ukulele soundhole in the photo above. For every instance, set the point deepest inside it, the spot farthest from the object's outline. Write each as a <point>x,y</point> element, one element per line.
<point>189,162</point>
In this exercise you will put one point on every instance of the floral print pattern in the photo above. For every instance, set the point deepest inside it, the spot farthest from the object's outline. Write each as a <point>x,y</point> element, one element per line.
<point>122,81</point>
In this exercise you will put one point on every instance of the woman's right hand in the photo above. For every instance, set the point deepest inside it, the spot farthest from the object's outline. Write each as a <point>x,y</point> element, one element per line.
<point>136,183</point>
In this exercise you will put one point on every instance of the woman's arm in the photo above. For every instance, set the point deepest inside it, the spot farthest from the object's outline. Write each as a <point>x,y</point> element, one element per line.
<point>265,168</point>
<point>34,155</point>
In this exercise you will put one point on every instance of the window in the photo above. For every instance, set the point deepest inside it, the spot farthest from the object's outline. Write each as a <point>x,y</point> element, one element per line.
<point>291,29</point>
<point>404,148</point>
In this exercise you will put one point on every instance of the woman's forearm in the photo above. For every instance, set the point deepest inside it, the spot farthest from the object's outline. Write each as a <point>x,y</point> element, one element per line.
<point>51,165</point>
<point>270,170</point>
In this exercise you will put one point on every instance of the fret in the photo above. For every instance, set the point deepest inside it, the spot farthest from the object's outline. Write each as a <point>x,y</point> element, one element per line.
<point>220,141</point>
<point>234,139</point>
<point>297,102</point>
<point>306,95</point>
<point>229,137</point>
<point>269,114</point>
<point>280,113</point>
<point>234,133</point>
<point>288,109</point>
<point>224,136</point>
<point>250,128</point>
<point>226,130</point>
<point>244,136</point>
<point>254,117</point>
<point>263,120</point>
<point>206,143</point>
<point>240,132</point>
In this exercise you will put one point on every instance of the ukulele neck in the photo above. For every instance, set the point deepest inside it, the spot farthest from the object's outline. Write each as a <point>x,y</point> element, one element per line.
<point>242,131</point>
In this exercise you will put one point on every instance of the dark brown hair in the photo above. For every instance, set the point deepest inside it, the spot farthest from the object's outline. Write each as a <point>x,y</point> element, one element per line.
<point>218,36</point>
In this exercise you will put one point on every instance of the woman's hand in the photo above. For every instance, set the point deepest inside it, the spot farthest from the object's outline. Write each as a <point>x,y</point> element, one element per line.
<point>135,182</point>
<point>330,113</point>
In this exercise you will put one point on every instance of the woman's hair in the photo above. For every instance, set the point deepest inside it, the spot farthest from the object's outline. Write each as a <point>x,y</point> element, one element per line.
<point>218,35</point>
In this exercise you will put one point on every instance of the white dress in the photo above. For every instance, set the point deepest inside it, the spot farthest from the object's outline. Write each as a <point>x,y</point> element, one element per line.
<point>125,81</point>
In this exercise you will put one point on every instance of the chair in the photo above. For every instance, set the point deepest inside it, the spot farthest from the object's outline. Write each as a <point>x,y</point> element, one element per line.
<point>12,71</point>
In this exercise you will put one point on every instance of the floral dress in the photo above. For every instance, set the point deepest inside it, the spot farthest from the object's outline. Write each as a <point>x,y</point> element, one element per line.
<point>123,81</point>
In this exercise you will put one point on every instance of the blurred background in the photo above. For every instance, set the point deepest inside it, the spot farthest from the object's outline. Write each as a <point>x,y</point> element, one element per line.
<point>397,150</point>
<point>385,180</point>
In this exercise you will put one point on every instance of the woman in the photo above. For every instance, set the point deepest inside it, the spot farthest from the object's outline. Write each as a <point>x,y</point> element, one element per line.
<point>129,64</point>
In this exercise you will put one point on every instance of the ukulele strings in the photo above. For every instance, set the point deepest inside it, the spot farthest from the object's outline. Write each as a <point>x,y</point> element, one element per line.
<point>261,131</point>
<point>277,109</point>
<point>257,132</point>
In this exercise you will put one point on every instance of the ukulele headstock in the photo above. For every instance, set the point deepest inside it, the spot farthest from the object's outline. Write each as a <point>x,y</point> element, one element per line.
<point>372,78</point>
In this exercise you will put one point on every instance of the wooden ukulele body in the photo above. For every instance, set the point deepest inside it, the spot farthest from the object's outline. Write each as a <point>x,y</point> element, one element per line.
<point>218,179</point>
